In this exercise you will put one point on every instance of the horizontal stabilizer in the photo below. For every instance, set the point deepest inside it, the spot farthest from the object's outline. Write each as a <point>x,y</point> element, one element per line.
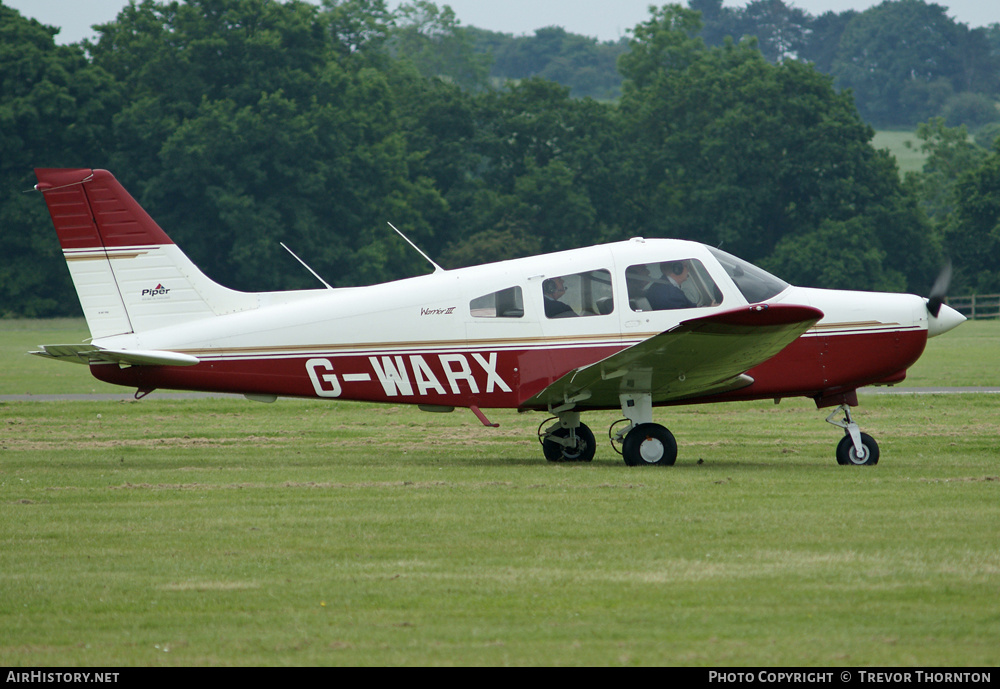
<point>89,354</point>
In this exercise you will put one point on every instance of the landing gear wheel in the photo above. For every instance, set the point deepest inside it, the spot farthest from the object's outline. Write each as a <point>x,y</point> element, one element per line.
<point>649,444</point>
<point>584,451</point>
<point>846,454</point>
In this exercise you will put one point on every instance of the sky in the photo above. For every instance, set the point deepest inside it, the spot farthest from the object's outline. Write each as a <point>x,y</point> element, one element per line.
<point>606,20</point>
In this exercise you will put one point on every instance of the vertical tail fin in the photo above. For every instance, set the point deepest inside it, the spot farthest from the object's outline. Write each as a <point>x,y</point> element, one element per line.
<point>127,272</point>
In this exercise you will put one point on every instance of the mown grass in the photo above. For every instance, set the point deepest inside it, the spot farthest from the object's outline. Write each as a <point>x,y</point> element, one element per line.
<point>22,374</point>
<point>222,532</point>
<point>969,355</point>
<point>904,146</point>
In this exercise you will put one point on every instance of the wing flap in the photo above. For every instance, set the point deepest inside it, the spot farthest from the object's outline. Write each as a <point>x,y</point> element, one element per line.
<point>89,354</point>
<point>698,357</point>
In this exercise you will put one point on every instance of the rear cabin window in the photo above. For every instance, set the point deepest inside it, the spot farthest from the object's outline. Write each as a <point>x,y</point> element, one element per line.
<point>681,284</point>
<point>579,294</point>
<point>507,303</point>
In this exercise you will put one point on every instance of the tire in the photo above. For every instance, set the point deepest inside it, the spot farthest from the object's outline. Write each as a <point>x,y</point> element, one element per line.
<point>584,452</point>
<point>649,444</point>
<point>848,456</point>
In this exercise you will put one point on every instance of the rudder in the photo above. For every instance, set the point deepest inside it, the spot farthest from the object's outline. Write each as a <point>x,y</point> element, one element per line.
<point>128,273</point>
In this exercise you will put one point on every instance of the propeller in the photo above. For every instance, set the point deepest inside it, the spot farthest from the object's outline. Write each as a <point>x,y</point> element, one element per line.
<point>939,291</point>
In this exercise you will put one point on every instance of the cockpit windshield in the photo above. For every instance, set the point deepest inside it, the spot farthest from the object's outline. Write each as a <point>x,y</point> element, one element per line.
<point>756,284</point>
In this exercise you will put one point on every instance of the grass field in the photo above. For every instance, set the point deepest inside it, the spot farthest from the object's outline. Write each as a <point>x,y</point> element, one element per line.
<point>223,532</point>
<point>905,146</point>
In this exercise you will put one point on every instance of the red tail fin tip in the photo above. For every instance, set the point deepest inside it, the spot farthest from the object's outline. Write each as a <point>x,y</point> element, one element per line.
<point>91,209</point>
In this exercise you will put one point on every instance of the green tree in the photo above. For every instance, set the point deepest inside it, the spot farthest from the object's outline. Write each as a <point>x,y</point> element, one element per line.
<point>950,153</point>
<point>972,231</point>
<point>547,164</point>
<point>738,152</point>
<point>782,31</point>
<point>251,122</point>
<point>431,38</point>
<point>893,54</point>
<point>825,32</point>
<point>666,44</point>
<point>837,255</point>
<point>358,27</point>
<point>973,110</point>
<point>55,111</point>
<point>584,65</point>
<point>505,240</point>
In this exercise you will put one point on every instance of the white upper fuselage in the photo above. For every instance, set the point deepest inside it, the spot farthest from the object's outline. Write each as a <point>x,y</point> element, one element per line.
<point>436,309</point>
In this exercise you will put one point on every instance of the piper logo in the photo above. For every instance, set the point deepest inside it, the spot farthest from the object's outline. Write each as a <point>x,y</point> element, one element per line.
<point>158,291</point>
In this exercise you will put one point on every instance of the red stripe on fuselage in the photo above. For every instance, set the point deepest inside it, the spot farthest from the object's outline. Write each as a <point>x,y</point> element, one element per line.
<point>505,378</point>
<point>499,378</point>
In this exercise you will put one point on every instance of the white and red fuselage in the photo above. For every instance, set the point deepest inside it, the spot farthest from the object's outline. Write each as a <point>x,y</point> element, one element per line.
<point>443,339</point>
<point>414,341</point>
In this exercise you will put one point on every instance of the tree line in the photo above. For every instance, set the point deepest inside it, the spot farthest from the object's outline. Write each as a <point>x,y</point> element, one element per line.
<point>239,124</point>
<point>905,60</point>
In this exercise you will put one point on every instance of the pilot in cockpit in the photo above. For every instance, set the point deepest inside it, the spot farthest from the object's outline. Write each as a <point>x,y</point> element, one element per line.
<point>553,289</point>
<point>666,293</point>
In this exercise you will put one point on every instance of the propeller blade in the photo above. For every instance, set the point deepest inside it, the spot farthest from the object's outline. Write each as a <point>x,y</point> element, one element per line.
<point>940,290</point>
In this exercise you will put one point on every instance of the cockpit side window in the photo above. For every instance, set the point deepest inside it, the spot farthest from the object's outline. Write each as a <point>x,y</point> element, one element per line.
<point>755,283</point>
<point>506,303</point>
<point>680,284</point>
<point>580,294</point>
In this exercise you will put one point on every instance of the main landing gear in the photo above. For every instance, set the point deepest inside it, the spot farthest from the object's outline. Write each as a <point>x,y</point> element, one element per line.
<point>648,443</point>
<point>855,448</point>
<point>567,440</point>
<point>643,443</point>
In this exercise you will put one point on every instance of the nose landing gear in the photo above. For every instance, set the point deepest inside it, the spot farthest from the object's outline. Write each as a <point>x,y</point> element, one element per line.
<point>855,448</point>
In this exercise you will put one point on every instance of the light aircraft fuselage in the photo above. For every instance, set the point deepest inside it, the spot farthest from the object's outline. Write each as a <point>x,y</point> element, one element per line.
<point>419,341</point>
<point>634,325</point>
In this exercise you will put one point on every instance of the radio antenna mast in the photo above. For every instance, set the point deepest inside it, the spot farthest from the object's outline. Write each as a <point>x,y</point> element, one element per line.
<point>437,268</point>
<point>305,265</point>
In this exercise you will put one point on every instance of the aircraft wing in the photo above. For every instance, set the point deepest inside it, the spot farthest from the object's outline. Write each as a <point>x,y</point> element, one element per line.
<point>87,354</point>
<point>698,357</point>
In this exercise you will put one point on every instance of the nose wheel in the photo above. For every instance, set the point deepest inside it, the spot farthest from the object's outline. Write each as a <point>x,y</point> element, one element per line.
<point>855,448</point>
<point>847,454</point>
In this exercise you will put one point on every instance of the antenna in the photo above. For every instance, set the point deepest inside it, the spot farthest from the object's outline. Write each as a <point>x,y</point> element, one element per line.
<point>437,268</point>
<point>315,274</point>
